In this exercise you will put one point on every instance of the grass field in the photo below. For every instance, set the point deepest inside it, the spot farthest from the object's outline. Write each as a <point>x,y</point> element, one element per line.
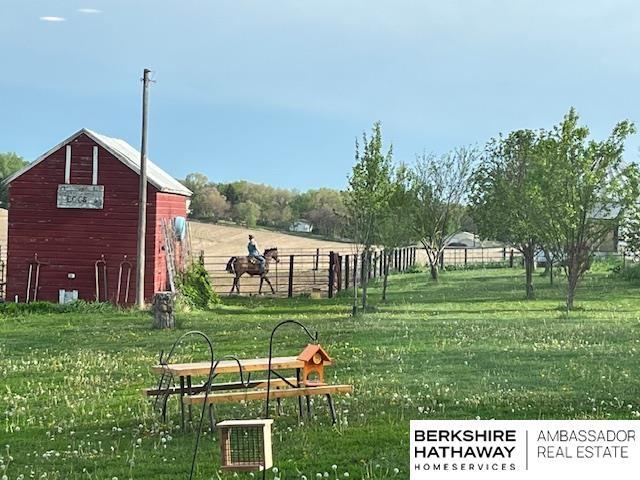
<point>469,347</point>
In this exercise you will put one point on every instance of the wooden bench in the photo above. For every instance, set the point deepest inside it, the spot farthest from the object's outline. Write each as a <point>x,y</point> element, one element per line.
<point>262,394</point>
<point>275,382</point>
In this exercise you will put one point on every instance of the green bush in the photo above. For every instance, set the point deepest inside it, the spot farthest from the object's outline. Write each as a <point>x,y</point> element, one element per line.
<point>631,273</point>
<point>479,265</point>
<point>79,306</point>
<point>195,287</point>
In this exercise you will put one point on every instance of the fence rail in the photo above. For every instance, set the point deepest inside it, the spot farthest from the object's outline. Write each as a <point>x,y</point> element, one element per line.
<point>320,272</point>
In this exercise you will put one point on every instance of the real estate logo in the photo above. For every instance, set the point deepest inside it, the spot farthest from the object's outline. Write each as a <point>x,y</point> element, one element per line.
<point>523,449</point>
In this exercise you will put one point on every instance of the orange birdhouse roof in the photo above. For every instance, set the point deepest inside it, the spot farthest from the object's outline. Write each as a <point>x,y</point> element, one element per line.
<point>307,354</point>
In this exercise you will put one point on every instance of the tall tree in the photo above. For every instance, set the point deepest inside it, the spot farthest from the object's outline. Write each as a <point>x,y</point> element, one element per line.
<point>395,225</point>
<point>506,199</point>
<point>9,164</point>
<point>367,197</point>
<point>439,185</point>
<point>588,191</point>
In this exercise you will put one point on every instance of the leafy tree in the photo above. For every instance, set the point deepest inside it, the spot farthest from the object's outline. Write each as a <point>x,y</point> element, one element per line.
<point>248,213</point>
<point>212,204</point>
<point>9,164</point>
<point>438,186</point>
<point>506,199</point>
<point>325,209</point>
<point>630,231</point>
<point>588,191</point>
<point>367,197</point>
<point>395,225</point>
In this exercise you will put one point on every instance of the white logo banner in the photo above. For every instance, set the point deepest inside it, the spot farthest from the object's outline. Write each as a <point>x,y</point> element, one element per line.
<point>524,449</point>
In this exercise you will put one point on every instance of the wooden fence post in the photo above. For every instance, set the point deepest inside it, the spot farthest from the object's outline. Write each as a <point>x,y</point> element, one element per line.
<point>290,291</point>
<point>339,270</point>
<point>346,272</point>
<point>374,264</point>
<point>504,253</point>
<point>511,259</point>
<point>355,270</point>
<point>317,259</point>
<point>331,273</point>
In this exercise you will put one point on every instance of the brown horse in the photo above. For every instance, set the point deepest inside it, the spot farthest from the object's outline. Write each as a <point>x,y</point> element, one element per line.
<point>238,266</point>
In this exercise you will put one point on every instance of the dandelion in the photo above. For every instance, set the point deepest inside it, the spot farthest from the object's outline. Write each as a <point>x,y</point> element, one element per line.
<point>396,471</point>
<point>334,467</point>
<point>275,470</point>
<point>346,474</point>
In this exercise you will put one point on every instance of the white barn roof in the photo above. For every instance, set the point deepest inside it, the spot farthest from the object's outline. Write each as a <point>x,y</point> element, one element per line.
<point>123,152</point>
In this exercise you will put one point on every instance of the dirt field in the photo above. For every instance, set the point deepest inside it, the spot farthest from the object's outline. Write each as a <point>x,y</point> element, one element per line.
<point>228,240</point>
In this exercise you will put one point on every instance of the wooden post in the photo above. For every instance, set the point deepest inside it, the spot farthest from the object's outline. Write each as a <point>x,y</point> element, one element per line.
<point>142,198</point>
<point>290,291</point>
<point>504,253</point>
<point>465,256</point>
<point>374,265</point>
<point>355,270</point>
<point>339,258</point>
<point>511,259</point>
<point>317,259</point>
<point>346,272</point>
<point>331,272</point>
<point>163,310</point>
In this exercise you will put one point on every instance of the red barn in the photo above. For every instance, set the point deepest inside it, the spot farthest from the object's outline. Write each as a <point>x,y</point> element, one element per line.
<point>73,218</point>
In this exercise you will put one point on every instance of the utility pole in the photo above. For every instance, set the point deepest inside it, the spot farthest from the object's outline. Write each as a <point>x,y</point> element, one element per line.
<point>142,201</point>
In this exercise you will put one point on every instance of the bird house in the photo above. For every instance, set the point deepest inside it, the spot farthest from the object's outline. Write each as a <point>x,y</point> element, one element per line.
<point>245,445</point>
<point>315,359</point>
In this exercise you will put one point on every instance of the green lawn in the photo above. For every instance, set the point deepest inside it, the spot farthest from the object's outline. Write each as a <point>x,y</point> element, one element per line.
<point>469,347</point>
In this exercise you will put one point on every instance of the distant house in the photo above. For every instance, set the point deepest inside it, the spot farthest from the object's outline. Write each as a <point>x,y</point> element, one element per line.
<point>301,225</point>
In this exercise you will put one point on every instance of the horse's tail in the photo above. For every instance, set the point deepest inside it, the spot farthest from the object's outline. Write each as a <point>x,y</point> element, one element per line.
<point>230,265</point>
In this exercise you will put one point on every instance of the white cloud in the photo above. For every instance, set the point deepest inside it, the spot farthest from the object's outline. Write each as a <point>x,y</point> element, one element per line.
<point>89,10</point>
<point>53,19</point>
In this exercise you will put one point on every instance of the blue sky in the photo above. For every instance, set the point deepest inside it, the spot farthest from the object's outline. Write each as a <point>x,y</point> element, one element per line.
<point>276,92</point>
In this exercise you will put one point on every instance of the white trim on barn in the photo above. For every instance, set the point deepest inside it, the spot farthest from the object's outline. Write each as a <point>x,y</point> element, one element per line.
<point>123,152</point>
<point>94,177</point>
<point>67,165</point>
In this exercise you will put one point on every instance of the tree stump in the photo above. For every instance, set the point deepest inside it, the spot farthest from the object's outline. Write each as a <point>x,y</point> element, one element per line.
<point>163,310</point>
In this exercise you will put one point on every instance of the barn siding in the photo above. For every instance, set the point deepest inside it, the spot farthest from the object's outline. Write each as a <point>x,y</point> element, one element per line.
<point>71,240</point>
<point>167,207</point>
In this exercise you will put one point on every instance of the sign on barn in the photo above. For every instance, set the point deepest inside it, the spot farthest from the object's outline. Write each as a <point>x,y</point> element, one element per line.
<point>73,218</point>
<point>80,196</point>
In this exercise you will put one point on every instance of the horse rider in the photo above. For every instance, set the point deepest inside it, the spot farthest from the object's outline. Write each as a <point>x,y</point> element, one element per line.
<point>254,252</point>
